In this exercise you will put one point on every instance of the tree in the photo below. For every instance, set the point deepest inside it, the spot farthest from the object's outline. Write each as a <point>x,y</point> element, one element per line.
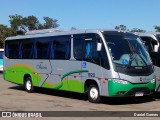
<point>5,32</point>
<point>19,23</point>
<point>50,23</point>
<point>157,28</point>
<point>137,30</point>
<point>30,23</point>
<point>121,27</point>
<point>16,22</point>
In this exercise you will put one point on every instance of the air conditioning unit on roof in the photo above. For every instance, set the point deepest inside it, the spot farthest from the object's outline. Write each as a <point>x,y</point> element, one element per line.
<point>43,31</point>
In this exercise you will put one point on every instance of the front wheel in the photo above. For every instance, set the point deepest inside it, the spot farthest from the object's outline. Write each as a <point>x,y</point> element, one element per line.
<point>93,94</point>
<point>28,85</point>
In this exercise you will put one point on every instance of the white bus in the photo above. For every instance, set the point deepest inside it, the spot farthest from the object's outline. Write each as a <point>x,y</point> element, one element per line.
<point>152,43</point>
<point>97,62</point>
<point>1,59</point>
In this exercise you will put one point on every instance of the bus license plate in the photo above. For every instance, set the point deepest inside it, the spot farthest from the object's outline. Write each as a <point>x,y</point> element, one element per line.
<point>139,94</point>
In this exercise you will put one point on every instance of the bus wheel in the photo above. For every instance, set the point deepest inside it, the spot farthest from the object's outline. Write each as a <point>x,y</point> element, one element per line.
<point>93,94</point>
<point>28,85</point>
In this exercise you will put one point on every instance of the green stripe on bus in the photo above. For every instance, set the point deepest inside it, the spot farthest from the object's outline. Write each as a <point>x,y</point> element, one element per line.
<point>72,72</point>
<point>65,75</point>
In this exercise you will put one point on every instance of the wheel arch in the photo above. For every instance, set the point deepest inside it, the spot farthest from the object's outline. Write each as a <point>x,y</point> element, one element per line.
<point>26,76</point>
<point>89,82</point>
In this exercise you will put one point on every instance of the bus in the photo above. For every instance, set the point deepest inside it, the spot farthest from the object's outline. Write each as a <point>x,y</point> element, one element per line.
<point>1,59</point>
<point>152,43</point>
<point>96,62</point>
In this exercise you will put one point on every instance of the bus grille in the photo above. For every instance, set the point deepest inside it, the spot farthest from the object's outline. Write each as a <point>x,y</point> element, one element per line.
<point>145,90</point>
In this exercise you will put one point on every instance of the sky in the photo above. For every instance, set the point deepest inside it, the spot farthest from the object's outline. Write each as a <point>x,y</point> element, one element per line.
<point>87,14</point>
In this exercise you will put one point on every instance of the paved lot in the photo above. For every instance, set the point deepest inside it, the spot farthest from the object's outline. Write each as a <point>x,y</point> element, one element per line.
<point>15,98</point>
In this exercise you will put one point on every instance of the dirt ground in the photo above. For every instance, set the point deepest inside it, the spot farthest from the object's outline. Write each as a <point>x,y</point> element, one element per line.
<point>15,98</point>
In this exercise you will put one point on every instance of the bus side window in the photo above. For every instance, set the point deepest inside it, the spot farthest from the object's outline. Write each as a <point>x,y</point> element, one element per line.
<point>91,54</point>
<point>12,49</point>
<point>78,43</point>
<point>148,45</point>
<point>60,48</point>
<point>7,49</point>
<point>42,48</point>
<point>90,51</point>
<point>27,48</point>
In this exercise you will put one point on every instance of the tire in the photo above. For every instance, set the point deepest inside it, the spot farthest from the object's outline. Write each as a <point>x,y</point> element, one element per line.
<point>93,94</point>
<point>28,85</point>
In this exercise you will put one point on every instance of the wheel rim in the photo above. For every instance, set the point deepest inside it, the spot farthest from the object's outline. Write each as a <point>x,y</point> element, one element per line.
<point>28,85</point>
<point>94,93</point>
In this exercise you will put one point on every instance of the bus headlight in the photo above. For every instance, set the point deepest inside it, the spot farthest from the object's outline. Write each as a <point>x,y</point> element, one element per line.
<point>153,81</point>
<point>120,81</point>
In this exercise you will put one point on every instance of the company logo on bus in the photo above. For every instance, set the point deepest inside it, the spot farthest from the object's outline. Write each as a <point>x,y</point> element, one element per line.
<point>41,66</point>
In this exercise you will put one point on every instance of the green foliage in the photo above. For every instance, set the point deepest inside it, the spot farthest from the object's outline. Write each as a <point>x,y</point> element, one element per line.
<point>30,23</point>
<point>137,30</point>
<point>124,28</point>
<point>20,24</point>
<point>50,23</point>
<point>5,32</point>
<point>16,21</point>
<point>121,27</point>
<point>157,28</point>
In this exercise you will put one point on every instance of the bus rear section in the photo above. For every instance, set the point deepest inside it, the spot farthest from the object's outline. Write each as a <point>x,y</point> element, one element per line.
<point>1,59</point>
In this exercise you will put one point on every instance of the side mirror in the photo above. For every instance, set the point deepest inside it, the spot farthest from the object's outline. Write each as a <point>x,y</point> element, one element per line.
<point>155,48</point>
<point>99,46</point>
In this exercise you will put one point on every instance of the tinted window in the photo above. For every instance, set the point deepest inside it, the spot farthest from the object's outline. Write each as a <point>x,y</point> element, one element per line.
<point>42,48</point>
<point>146,39</point>
<point>90,47</point>
<point>149,44</point>
<point>27,48</point>
<point>158,37</point>
<point>12,49</point>
<point>60,47</point>
<point>118,46</point>
<point>90,51</point>
<point>78,43</point>
<point>1,54</point>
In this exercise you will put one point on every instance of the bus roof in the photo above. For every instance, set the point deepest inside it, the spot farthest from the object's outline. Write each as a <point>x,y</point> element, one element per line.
<point>147,33</point>
<point>54,32</point>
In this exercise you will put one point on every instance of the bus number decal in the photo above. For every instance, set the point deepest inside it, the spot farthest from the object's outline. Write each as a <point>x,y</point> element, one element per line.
<point>91,74</point>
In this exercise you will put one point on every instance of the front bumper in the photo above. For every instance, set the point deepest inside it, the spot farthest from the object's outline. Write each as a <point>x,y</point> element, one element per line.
<point>122,90</point>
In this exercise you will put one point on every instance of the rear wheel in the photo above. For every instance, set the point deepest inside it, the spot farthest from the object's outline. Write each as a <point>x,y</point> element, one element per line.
<point>93,94</point>
<point>28,85</point>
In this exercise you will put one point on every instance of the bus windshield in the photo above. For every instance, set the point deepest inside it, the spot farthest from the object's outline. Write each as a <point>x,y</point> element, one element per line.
<point>126,49</point>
